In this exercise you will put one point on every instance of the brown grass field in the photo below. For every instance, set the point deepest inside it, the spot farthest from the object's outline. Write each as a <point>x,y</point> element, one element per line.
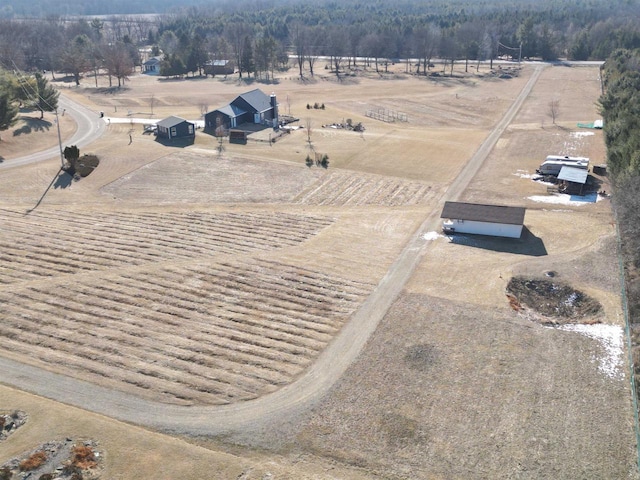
<point>192,276</point>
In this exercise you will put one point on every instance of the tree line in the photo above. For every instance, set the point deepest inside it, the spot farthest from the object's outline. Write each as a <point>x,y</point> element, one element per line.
<point>260,35</point>
<point>620,108</point>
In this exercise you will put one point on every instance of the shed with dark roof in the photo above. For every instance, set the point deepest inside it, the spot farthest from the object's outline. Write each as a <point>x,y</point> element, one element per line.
<point>174,127</point>
<point>481,219</point>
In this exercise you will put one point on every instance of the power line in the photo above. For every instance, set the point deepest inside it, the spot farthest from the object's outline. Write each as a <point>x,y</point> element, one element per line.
<point>23,81</point>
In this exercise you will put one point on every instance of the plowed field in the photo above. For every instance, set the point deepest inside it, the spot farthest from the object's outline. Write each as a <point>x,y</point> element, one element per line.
<point>176,318</point>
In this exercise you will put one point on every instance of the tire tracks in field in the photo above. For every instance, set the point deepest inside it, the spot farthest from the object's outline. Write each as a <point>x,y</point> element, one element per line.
<point>295,397</point>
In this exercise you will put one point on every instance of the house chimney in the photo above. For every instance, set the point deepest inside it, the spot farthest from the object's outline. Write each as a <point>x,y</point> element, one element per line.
<point>274,105</point>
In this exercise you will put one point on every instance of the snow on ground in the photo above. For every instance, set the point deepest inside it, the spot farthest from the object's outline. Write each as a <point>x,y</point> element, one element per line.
<point>432,236</point>
<point>536,177</point>
<point>564,199</point>
<point>611,338</point>
<point>526,174</point>
<point>573,145</point>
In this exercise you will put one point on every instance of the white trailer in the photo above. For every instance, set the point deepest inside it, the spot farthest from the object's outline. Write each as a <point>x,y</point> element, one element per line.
<point>553,167</point>
<point>565,158</point>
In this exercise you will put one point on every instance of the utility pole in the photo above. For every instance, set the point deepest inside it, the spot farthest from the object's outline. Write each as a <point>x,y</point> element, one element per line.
<point>520,54</point>
<point>59,140</point>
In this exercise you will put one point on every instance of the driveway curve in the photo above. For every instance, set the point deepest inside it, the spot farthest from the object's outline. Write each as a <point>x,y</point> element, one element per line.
<point>89,128</point>
<point>299,395</point>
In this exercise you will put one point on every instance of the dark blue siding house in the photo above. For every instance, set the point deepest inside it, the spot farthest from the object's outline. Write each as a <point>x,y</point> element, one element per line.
<point>254,107</point>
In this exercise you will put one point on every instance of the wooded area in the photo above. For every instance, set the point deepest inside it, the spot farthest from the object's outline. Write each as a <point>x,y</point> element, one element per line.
<point>259,36</point>
<point>620,107</point>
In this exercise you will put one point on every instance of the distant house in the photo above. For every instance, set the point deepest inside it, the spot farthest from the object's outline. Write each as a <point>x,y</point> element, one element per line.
<point>219,67</point>
<point>152,66</point>
<point>254,107</point>
<point>175,127</point>
<point>495,220</point>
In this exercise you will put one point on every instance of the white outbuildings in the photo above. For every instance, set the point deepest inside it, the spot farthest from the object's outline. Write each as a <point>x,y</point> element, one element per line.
<point>494,220</point>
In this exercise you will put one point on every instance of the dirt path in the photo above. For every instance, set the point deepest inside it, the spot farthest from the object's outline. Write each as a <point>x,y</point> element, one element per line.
<point>316,381</point>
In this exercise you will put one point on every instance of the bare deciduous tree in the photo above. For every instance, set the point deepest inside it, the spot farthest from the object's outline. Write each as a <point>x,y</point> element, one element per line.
<point>308,128</point>
<point>299,40</point>
<point>554,109</point>
<point>425,45</point>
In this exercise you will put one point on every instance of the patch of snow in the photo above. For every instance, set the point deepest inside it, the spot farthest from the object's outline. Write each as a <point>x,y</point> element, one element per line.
<point>432,236</point>
<point>539,180</point>
<point>564,199</point>
<point>524,174</point>
<point>571,300</point>
<point>611,339</point>
<point>574,145</point>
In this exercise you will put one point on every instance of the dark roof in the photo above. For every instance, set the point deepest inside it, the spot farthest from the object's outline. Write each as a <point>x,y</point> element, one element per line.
<point>257,99</point>
<point>483,213</point>
<point>572,174</point>
<point>171,122</point>
<point>231,111</point>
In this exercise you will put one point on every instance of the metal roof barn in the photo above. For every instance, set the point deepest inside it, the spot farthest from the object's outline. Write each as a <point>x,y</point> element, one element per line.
<point>481,219</point>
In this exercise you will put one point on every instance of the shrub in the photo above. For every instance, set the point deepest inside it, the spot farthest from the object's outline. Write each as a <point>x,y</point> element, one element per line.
<point>308,161</point>
<point>5,473</point>
<point>86,164</point>
<point>35,460</point>
<point>71,155</point>
<point>83,457</point>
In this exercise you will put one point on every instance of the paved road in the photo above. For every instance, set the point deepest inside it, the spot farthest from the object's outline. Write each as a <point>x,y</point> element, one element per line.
<point>90,128</point>
<point>317,380</point>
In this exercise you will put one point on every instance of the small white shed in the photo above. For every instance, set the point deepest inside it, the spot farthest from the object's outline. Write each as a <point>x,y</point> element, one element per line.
<point>494,220</point>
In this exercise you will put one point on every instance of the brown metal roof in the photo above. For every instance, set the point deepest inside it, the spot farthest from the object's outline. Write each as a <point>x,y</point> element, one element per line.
<point>483,213</point>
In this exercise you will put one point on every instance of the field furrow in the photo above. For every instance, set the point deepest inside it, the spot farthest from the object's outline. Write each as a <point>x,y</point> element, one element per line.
<point>207,332</point>
<point>358,189</point>
<point>88,242</point>
<point>160,360</point>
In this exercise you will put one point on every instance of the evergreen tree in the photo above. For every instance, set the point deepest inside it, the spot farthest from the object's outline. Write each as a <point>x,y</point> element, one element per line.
<point>47,96</point>
<point>246,61</point>
<point>8,111</point>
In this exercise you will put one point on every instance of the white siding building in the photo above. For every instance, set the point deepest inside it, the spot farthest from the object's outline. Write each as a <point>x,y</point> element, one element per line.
<point>494,220</point>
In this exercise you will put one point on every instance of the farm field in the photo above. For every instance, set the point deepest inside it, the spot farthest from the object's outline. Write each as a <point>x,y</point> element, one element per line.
<point>206,278</point>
